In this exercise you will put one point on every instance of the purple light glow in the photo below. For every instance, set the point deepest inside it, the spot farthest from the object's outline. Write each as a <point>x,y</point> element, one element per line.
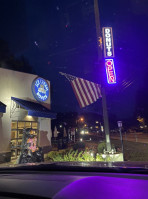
<point>98,187</point>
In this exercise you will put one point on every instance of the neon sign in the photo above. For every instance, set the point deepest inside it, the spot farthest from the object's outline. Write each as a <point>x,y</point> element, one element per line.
<point>108,42</point>
<point>110,71</point>
<point>40,89</point>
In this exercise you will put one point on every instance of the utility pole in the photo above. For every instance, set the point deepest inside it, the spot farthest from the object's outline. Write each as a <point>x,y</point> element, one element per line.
<point>101,62</point>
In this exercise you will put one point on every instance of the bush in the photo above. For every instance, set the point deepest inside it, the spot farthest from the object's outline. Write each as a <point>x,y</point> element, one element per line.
<point>51,155</point>
<point>99,158</point>
<point>56,155</point>
<point>72,155</point>
<point>102,147</point>
<point>79,145</point>
<point>86,156</point>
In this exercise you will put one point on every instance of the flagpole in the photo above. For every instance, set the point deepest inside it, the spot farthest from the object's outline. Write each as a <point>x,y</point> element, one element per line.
<point>100,60</point>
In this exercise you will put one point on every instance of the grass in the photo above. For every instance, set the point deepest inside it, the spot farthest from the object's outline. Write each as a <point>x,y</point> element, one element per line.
<point>133,151</point>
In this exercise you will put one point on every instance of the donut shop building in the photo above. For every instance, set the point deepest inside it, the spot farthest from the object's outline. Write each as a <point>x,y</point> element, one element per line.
<point>24,103</point>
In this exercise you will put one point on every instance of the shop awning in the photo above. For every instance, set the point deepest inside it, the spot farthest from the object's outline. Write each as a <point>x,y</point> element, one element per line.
<point>2,108</point>
<point>34,109</point>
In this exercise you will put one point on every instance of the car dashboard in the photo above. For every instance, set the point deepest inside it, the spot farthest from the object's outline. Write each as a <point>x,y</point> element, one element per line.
<point>72,184</point>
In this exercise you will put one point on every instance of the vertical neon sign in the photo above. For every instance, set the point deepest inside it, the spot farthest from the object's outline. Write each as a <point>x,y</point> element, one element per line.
<point>108,42</point>
<point>110,71</point>
<point>109,54</point>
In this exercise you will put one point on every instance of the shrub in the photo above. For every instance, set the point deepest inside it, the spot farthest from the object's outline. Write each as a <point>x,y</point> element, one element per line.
<point>56,155</point>
<point>72,155</point>
<point>99,158</point>
<point>51,155</point>
<point>78,156</point>
<point>102,147</point>
<point>58,158</point>
<point>87,156</point>
<point>79,145</point>
<point>108,159</point>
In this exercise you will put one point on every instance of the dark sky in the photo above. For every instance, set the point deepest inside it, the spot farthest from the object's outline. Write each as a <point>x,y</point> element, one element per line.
<point>60,35</point>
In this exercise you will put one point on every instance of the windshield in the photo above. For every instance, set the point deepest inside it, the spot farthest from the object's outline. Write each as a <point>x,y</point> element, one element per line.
<point>73,82</point>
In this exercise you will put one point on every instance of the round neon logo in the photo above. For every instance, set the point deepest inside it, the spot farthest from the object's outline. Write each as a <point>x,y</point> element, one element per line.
<point>40,89</point>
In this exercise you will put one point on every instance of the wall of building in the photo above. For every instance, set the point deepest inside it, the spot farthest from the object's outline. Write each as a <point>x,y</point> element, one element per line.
<point>17,84</point>
<point>44,134</point>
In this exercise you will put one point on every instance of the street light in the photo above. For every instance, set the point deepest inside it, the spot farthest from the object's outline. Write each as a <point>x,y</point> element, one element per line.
<point>102,128</point>
<point>82,119</point>
<point>82,132</point>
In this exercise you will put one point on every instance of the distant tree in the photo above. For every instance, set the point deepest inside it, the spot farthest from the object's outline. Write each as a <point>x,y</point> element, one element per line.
<point>4,51</point>
<point>67,119</point>
<point>142,99</point>
<point>9,61</point>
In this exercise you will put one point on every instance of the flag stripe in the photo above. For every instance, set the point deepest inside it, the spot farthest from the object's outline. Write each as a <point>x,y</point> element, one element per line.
<point>82,92</point>
<point>86,91</point>
<point>94,86</point>
<point>91,90</point>
<point>77,93</point>
<point>91,84</point>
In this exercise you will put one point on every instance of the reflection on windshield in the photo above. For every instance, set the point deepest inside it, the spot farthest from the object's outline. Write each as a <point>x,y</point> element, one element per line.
<point>73,82</point>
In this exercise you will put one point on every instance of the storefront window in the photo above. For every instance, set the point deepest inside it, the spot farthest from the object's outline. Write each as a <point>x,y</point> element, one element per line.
<point>20,133</point>
<point>34,125</point>
<point>21,125</point>
<point>14,125</point>
<point>27,124</point>
<point>17,134</point>
<point>13,134</point>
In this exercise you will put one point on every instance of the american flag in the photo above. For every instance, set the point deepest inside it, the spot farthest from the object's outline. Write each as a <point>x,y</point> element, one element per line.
<point>85,91</point>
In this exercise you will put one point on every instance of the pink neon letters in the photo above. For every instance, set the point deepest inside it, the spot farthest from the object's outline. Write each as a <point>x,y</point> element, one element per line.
<point>110,71</point>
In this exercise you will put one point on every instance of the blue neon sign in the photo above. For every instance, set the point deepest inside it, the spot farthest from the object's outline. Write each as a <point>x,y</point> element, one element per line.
<point>40,89</point>
<point>110,71</point>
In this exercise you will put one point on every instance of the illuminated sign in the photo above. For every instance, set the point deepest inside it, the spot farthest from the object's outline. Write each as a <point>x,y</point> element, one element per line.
<point>110,71</point>
<point>108,42</point>
<point>40,89</point>
<point>119,124</point>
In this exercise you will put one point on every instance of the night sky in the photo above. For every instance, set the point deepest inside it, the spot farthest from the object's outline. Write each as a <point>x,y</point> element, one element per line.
<point>60,35</point>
